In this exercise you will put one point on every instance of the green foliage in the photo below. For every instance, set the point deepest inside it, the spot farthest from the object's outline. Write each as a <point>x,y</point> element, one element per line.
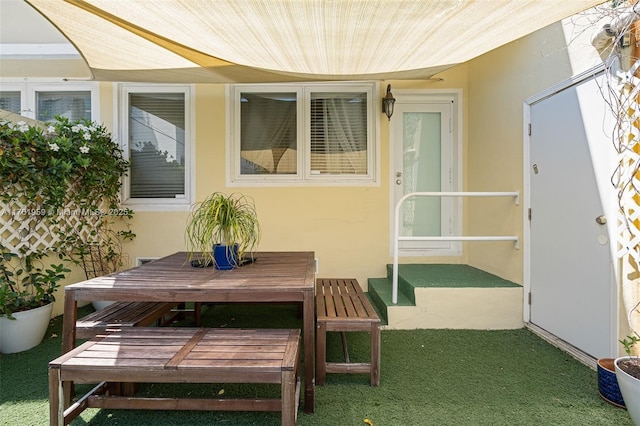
<point>223,219</point>
<point>27,285</point>
<point>629,342</point>
<point>63,179</point>
<point>44,167</point>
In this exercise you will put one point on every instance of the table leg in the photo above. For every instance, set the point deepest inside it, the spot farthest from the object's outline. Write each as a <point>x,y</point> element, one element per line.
<point>69,321</point>
<point>69,336</point>
<point>309,319</point>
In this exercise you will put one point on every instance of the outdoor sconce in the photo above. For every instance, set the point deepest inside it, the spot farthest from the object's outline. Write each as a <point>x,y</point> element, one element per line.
<point>387,103</point>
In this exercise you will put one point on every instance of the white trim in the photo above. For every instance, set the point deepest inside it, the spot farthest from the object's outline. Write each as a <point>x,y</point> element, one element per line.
<point>38,51</point>
<point>526,200</point>
<point>553,340</point>
<point>572,81</point>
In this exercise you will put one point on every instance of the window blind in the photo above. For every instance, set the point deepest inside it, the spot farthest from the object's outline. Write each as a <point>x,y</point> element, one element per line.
<point>74,105</point>
<point>10,101</point>
<point>338,133</point>
<point>157,145</point>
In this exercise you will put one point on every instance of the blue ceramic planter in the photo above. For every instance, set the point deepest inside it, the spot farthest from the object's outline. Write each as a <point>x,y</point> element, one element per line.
<point>226,257</point>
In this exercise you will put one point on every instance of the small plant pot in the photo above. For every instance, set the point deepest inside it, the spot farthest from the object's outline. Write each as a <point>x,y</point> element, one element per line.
<point>101,304</point>
<point>608,383</point>
<point>225,257</point>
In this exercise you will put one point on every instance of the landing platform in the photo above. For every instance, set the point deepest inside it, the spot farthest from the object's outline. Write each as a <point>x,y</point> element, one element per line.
<point>448,296</point>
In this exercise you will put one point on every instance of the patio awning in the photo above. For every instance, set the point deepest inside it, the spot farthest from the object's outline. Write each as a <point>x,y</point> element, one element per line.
<point>222,41</point>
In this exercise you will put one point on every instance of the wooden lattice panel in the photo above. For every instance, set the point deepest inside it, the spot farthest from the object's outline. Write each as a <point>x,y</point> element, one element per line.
<point>627,176</point>
<point>25,229</point>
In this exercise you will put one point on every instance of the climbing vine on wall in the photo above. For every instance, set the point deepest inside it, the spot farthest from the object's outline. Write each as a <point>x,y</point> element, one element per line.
<point>60,193</point>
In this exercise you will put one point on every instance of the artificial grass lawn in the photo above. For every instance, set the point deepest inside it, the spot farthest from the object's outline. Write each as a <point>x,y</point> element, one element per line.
<point>428,377</point>
<point>449,276</point>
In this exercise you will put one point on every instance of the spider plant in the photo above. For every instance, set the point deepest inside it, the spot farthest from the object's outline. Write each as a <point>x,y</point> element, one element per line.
<point>227,220</point>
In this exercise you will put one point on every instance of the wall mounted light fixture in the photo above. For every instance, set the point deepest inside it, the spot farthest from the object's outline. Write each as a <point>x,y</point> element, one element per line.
<point>387,103</point>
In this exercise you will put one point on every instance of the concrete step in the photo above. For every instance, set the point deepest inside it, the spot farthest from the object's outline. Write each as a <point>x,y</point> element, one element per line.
<point>447,296</point>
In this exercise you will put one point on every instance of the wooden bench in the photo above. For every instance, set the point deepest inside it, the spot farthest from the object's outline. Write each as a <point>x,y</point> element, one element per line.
<point>178,355</point>
<point>122,314</point>
<point>342,306</point>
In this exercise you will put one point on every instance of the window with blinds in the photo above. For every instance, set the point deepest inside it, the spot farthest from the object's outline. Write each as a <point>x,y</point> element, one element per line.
<point>44,100</point>
<point>297,133</point>
<point>156,145</point>
<point>11,101</point>
<point>338,133</point>
<point>74,105</point>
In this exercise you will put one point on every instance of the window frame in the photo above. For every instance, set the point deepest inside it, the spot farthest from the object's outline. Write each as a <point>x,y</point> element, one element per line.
<point>28,92</point>
<point>122,130</point>
<point>303,175</point>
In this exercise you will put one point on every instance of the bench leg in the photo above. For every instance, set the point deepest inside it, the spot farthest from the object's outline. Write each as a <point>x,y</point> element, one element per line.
<point>375,354</point>
<point>288,398</point>
<point>56,398</point>
<point>321,353</point>
<point>345,348</point>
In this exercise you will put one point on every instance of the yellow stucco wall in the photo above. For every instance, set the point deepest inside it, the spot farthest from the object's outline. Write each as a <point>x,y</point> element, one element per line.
<point>499,83</point>
<point>348,227</point>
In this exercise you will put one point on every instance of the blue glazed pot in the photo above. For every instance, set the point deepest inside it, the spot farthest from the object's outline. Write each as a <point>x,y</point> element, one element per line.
<point>226,257</point>
<point>608,383</point>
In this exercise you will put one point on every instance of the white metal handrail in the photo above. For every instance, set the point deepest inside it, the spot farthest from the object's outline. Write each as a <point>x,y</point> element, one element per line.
<point>397,238</point>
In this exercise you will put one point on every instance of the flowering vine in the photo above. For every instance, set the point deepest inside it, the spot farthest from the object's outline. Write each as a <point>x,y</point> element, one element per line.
<point>59,194</point>
<point>65,162</point>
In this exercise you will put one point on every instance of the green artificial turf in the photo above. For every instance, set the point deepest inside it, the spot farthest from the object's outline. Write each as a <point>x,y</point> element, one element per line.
<point>449,275</point>
<point>428,377</point>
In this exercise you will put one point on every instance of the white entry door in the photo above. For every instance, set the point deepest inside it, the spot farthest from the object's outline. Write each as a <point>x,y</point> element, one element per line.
<point>422,139</point>
<point>571,284</point>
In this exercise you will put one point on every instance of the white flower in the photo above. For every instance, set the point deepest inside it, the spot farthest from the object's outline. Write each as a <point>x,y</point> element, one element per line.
<point>22,126</point>
<point>84,149</point>
<point>51,129</point>
<point>86,136</point>
<point>75,129</point>
<point>54,146</point>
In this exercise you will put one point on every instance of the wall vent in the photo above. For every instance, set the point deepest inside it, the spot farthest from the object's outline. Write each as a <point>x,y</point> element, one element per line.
<point>143,260</point>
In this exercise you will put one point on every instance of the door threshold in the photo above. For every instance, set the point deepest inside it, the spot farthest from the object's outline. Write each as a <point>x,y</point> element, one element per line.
<point>554,340</point>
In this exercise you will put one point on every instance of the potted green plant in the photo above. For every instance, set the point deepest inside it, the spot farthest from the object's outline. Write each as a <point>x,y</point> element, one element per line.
<point>223,228</point>
<point>27,293</point>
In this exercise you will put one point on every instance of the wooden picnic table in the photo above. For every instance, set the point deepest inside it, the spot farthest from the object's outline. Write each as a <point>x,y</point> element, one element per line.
<point>273,277</point>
